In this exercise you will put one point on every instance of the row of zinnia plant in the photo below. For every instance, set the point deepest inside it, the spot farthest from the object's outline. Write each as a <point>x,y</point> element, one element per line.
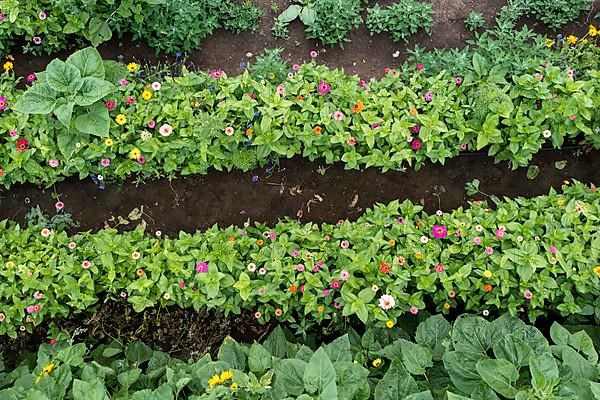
<point>535,256</point>
<point>162,125</point>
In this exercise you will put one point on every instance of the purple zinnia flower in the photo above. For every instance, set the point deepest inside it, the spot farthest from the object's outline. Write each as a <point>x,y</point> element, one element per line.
<point>415,129</point>
<point>428,96</point>
<point>141,160</point>
<point>439,231</point>
<point>31,78</point>
<point>416,144</point>
<point>324,88</point>
<point>3,103</point>
<point>201,267</point>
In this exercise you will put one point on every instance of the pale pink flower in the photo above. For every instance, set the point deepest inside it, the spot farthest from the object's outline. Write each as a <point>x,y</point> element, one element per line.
<point>166,130</point>
<point>344,275</point>
<point>53,163</point>
<point>386,302</point>
<point>59,205</point>
<point>344,244</point>
<point>414,310</point>
<point>528,295</point>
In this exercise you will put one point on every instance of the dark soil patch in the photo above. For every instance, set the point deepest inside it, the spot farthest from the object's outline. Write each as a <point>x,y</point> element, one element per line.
<point>365,55</point>
<point>294,189</point>
<point>180,332</point>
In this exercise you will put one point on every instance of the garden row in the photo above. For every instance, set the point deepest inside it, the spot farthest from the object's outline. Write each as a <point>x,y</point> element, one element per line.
<point>88,116</point>
<point>471,359</point>
<point>171,26</point>
<point>530,256</point>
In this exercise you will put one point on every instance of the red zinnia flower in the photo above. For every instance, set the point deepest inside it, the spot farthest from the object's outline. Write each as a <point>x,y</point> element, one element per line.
<point>385,268</point>
<point>416,144</point>
<point>22,145</point>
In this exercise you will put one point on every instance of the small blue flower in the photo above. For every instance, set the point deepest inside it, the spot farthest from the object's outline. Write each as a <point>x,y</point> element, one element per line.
<point>559,36</point>
<point>255,178</point>
<point>101,187</point>
<point>178,54</point>
<point>269,170</point>
<point>212,87</point>
<point>242,64</point>
<point>248,143</point>
<point>256,113</point>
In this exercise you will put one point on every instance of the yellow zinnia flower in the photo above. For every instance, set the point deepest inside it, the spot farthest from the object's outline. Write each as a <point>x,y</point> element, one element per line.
<point>376,363</point>
<point>132,67</point>
<point>487,273</point>
<point>234,386</point>
<point>135,153</point>
<point>446,306</point>
<point>389,324</point>
<point>8,66</point>
<point>593,31</point>
<point>108,142</point>
<point>597,270</point>
<point>121,119</point>
<point>146,95</point>
<point>572,39</point>
<point>560,202</point>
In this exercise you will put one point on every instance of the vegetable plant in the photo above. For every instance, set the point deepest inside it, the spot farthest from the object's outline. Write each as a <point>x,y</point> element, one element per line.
<point>401,19</point>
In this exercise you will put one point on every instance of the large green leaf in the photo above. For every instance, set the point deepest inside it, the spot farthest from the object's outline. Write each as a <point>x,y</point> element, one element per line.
<point>98,31</point>
<point>38,99</point>
<point>462,368</point>
<point>416,358</point>
<point>63,113</point>
<point>290,373</point>
<point>93,390</point>
<point>472,333</point>
<point>352,381</point>
<point>92,90</point>
<point>93,120</point>
<point>543,370</point>
<point>88,61</point>
<point>232,353</point>
<point>63,77</point>
<point>500,375</point>
<point>339,350</point>
<point>513,349</point>
<point>259,358</point>
<point>432,332</point>
<point>276,343</point>
<point>138,352</point>
<point>320,377</point>
<point>396,384</point>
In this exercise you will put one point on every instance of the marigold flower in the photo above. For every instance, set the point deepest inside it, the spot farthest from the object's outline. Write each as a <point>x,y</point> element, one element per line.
<point>358,107</point>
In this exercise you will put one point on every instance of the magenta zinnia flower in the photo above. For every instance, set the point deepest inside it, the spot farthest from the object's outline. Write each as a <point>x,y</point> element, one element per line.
<point>3,103</point>
<point>201,267</point>
<point>428,96</point>
<point>528,295</point>
<point>31,78</point>
<point>324,88</point>
<point>416,144</point>
<point>439,231</point>
<point>216,73</point>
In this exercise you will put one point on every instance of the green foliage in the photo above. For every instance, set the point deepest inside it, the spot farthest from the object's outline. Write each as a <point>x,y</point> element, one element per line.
<point>72,91</point>
<point>167,25</point>
<point>474,357</point>
<point>60,221</point>
<point>270,67</point>
<point>401,19</point>
<point>333,19</point>
<point>346,259</point>
<point>554,13</point>
<point>475,20</point>
<point>490,108</point>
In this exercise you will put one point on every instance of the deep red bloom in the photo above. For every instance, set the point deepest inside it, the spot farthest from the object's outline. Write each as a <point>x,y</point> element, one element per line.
<point>416,144</point>
<point>110,105</point>
<point>22,145</point>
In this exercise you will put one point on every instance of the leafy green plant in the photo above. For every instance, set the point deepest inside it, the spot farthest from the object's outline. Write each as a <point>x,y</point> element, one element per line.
<point>529,254</point>
<point>302,9</point>
<point>473,357</point>
<point>354,122</point>
<point>333,19</point>
<point>242,16</point>
<point>72,91</point>
<point>474,21</point>
<point>60,221</point>
<point>269,66</point>
<point>553,13</point>
<point>401,19</point>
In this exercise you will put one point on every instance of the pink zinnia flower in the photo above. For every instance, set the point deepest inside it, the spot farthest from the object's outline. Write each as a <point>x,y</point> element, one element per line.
<point>324,88</point>
<point>181,284</point>
<point>37,40</point>
<point>414,310</point>
<point>351,141</point>
<point>457,80</point>
<point>252,96</point>
<point>272,235</point>
<point>123,82</point>
<point>416,144</point>
<point>13,133</point>
<point>335,284</point>
<point>316,268</point>
<point>313,54</point>
<point>31,78</point>
<point>29,309</point>
<point>53,163</point>
<point>166,130</point>
<point>428,96</point>
<point>72,245</point>
<point>439,231</point>
<point>336,305</point>
<point>463,146</point>
<point>42,15</point>
<point>262,271</point>
<point>216,73</point>
<point>528,295</point>
<point>415,129</point>
<point>325,292</point>
<point>201,267</point>
<point>151,124</point>
<point>296,67</point>
<point>257,315</point>
<point>59,205</point>
<point>300,267</point>
<point>400,219</point>
<point>130,99</point>
<point>141,160</point>
<point>278,312</point>
<point>344,244</point>
<point>53,342</point>
<point>386,302</point>
<point>477,240</point>
<point>570,73</point>
<point>280,90</point>
<point>294,253</point>
<point>110,105</point>
<point>105,162</point>
<point>499,233</point>
<point>86,264</point>
<point>420,67</point>
<point>489,250</point>
<point>344,275</point>
<point>553,250</point>
<point>37,295</point>
<point>439,268</point>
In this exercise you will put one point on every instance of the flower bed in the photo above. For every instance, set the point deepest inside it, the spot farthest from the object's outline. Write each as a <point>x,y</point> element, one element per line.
<point>472,357</point>
<point>194,122</point>
<point>535,255</point>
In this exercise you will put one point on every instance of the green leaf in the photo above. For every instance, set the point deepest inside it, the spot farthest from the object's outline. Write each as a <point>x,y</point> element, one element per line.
<point>461,366</point>
<point>560,165</point>
<point>396,384</point>
<point>352,381</point>
<point>259,359</point>
<point>339,350</point>
<point>319,376</point>
<point>513,349</point>
<point>290,14</point>
<point>89,63</point>
<point>98,31</point>
<point>129,377</point>
<point>532,172</point>
<point>472,333</point>
<point>63,113</point>
<point>452,396</point>
<point>232,353</point>
<point>63,77</point>
<point>93,390</point>
<point>290,373</point>
<point>432,332</point>
<point>543,370</point>
<point>72,355</point>
<point>93,90</point>
<point>38,99</point>
<point>500,375</point>
<point>276,343</point>
<point>138,352</point>
<point>416,358</point>
<point>93,120</point>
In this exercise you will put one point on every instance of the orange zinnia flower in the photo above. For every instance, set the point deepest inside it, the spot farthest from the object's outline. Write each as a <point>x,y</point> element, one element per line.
<point>320,309</point>
<point>358,107</point>
<point>299,97</point>
<point>385,268</point>
<point>293,289</point>
<point>259,242</point>
<point>231,239</point>
<point>248,132</point>
<point>317,130</point>
<point>488,287</point>
<point>139,272</point>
